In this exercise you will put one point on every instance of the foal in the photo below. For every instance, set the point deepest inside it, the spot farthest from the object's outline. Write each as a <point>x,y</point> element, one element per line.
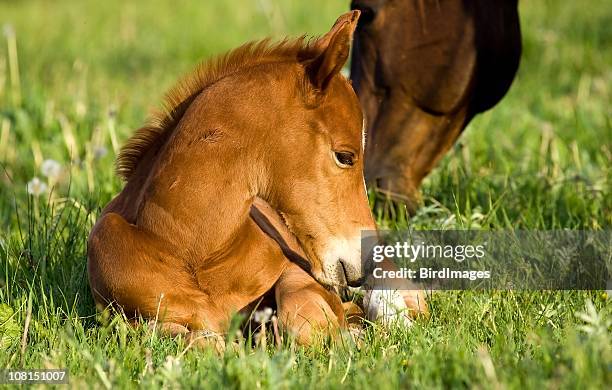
<point>275,122</point>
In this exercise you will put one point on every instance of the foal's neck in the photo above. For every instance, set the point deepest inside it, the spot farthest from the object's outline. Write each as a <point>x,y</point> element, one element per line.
<point>199,191</point>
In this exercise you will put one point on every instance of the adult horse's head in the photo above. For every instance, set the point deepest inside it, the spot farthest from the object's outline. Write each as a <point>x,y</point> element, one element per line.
<point>422,70</point>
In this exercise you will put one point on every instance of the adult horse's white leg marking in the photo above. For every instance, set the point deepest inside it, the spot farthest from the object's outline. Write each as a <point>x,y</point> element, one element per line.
<point>386,306</point>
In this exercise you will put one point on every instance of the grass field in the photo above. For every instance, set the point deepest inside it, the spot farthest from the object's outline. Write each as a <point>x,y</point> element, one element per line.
<point>77,77</point>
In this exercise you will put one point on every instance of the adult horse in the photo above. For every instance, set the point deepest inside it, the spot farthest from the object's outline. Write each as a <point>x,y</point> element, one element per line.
<point>422,70</point>
<point>270,123</point>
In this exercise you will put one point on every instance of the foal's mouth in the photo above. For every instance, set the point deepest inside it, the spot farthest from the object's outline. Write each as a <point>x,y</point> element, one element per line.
<point>305,262</point>
<point>355,283</point>
<point>343,279</point>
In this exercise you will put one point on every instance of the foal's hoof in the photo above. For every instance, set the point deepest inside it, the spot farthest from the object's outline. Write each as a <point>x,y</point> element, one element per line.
<point>206,339</point>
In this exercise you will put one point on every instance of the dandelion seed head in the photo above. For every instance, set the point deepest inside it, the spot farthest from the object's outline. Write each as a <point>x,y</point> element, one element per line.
<point>36,187</point>
<point>263,316</point>
<point>51,169</point>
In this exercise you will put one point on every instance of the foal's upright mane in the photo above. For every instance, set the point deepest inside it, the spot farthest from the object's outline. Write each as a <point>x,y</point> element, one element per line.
<point>179,97</point>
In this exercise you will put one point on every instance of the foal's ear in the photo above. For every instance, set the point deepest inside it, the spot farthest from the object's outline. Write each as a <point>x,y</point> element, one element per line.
<point>333,50</point>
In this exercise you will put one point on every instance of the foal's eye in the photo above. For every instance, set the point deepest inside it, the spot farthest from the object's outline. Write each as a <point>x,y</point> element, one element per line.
<point>344,159</point>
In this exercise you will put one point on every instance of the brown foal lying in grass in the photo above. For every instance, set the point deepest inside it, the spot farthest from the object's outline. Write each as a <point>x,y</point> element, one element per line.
<point>266,130</point>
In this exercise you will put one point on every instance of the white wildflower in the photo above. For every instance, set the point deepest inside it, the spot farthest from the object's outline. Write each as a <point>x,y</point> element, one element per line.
<point>51,169</point>
<point>263,316</point>
<point>36,187</point>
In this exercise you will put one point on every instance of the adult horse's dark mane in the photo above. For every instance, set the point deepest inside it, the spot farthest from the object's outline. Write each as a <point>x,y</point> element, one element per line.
<point>179,98</point>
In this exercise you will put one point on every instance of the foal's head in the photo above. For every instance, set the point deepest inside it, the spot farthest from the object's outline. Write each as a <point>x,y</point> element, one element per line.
<point>278,122</point>
<point>317,175</point>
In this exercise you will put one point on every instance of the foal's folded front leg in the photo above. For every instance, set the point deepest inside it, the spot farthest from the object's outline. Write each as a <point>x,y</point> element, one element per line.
<point>305,308</point>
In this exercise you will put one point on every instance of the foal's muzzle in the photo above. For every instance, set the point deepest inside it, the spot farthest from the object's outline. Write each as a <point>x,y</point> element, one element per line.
<point>349,277</point>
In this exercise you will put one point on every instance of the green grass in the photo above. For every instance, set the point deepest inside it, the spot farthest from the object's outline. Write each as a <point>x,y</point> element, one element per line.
<point>89,74</point>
